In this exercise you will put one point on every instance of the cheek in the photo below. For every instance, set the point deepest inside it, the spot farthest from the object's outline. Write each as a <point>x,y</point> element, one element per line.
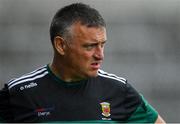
<point>84,58</point>
<point>81,57</point>
<point>87,56</point>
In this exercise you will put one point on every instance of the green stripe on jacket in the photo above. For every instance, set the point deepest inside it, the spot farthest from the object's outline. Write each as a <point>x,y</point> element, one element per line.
<point>145,113</point>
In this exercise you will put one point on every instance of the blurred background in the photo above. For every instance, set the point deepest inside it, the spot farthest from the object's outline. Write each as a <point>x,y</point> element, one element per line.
<point>143,44</point>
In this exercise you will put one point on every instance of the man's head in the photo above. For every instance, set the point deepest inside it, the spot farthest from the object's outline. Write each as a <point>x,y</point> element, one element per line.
<point>67,16</point>
<point>78,36</point>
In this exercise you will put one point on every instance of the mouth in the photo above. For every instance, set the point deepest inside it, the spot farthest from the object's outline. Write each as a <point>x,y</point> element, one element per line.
<point>95,65</point>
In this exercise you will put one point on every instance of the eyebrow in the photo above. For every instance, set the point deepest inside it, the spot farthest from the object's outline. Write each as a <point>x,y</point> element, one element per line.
<point>93,43</point>
<point>96,41</point>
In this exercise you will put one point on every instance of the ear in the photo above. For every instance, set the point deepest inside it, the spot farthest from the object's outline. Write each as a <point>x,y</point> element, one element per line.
<point>59,45</point>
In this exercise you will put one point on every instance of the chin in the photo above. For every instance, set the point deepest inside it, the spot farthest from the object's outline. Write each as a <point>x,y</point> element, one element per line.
<point>93,74</point>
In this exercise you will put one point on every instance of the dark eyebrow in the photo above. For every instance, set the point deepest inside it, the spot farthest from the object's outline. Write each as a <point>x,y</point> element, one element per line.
<point>94,43</point>
<point>90,44</point>
<point>98,42</point>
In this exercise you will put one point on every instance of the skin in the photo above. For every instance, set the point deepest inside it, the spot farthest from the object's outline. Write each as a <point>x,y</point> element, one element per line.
<point>160,120</point>
<point>80,56</point>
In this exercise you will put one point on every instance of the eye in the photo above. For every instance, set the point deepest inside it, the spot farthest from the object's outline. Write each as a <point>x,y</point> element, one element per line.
<point>90,47</point>
<point>103,44</point>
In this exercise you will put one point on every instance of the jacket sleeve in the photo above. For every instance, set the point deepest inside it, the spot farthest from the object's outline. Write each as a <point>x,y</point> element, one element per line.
<point>5,106</point>
<point>144,112</point>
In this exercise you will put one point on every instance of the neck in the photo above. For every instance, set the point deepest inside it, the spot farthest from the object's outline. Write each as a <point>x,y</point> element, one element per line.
<point>61,70</point>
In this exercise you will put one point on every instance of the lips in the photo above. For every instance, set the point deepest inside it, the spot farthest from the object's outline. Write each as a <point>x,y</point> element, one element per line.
<point>95,65</point>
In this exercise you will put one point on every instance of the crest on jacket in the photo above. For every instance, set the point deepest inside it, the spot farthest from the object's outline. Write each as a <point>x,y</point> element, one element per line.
<point>105,107</point>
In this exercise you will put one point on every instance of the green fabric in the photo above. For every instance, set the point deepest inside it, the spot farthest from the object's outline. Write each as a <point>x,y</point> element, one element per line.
<point>85,122</point>
<point>145,113</point>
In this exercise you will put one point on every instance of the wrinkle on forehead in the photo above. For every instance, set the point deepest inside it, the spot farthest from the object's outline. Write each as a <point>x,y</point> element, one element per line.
<point>83,31</point>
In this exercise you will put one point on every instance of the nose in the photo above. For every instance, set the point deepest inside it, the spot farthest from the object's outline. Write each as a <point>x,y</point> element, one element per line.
<point>99,53</point>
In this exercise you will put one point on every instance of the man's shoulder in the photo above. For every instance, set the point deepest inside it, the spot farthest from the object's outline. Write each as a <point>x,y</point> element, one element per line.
<point>27,79</point>
<point>111,78</point>
<point>113,84</point>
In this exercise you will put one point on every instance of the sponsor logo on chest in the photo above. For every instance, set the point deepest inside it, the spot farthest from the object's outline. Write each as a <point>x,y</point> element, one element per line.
<point>44,111</point>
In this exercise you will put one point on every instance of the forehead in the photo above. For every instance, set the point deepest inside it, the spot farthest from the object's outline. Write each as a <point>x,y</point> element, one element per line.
<point>91,33</point>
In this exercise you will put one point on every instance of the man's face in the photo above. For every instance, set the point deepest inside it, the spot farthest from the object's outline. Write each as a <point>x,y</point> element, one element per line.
<point>85,51</point>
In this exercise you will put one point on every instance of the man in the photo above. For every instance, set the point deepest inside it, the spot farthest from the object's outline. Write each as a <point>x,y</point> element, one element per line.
<point>73,88</point>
